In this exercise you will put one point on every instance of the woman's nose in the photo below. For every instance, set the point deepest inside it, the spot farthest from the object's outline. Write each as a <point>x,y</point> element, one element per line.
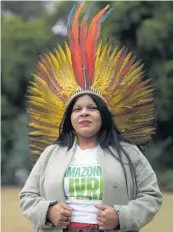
<point>84,111</point>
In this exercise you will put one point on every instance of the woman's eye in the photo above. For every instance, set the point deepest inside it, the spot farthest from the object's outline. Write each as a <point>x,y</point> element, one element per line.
<point>93,108</point>
<point>75,110</point>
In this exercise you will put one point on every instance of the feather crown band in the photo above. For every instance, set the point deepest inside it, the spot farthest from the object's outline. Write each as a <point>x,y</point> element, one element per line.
<point>89,66</point>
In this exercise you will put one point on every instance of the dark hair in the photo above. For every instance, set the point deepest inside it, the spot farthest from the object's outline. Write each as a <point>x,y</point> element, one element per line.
<point>108,136</point>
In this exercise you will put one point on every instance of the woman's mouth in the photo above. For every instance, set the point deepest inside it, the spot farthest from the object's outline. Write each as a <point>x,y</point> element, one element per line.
<point>84,122</point>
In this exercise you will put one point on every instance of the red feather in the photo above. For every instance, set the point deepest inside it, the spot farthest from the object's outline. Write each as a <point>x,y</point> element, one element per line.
<point>77,59</point>
<point>93,34</point>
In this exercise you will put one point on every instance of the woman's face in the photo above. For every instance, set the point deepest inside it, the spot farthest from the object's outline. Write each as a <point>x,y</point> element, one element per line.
<point>85,117</point>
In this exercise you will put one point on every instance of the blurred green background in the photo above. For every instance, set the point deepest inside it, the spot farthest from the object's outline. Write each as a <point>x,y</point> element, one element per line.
<point>31,28</point>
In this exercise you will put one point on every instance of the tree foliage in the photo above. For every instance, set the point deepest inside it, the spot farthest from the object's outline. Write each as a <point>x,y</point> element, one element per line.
<point>145,27</point>
<point>25,9</point>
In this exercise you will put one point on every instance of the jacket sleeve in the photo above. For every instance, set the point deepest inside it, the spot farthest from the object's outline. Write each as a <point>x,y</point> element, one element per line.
<point>139,212</point>
<point>33,206</point>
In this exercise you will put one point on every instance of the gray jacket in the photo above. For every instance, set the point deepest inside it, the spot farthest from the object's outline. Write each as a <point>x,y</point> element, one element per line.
<point>135,207</point>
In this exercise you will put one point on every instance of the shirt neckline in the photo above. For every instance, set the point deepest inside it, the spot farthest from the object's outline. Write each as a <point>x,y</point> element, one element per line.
<point>88,149</point>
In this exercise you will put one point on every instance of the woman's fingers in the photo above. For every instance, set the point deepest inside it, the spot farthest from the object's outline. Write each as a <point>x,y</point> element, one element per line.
<point>63,227</point>
<point>65,219</point>
<point>66,207</point>
<point>99,223</point>
<point>67,213</point>
<point>64,223</point>
<point>102,228</point>
<point>99,218</point>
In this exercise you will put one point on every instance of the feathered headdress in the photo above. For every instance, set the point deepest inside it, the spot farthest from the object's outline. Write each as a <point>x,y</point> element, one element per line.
<point>88,66</point>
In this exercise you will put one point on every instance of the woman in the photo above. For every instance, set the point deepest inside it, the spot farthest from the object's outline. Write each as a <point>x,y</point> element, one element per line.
<point>92,177</point>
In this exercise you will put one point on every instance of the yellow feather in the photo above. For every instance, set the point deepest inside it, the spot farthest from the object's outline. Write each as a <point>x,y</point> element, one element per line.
<point>117,57</point>
<point>98,51</point>
<point>58,57</point>
<point>43,68</point>
<point>37,104</point>
<point>113,54</point>
<point>68,54</point>
<point>48,59</point>
<point>62,54</point>
<point>41,132</point>
<point>37,126</point>
<point>40,81</point>
<point>34,84</point>
<point>126,60</point>
<point>36,91</point>
<point>54,61</point>
<point>38,99</point>
<point>103,54</point>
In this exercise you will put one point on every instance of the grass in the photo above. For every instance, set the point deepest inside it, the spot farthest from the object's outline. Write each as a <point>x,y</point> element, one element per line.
<point>12,219</point>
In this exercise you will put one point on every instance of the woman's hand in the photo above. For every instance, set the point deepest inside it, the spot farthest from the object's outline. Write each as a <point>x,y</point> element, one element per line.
<point>60,215</point>
<point>107,218</point>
